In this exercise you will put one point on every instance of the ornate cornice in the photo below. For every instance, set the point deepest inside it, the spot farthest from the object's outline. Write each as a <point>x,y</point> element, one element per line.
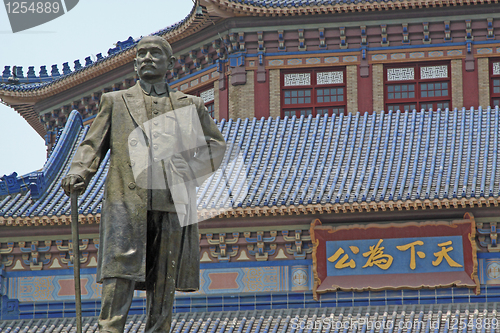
<point>252,9</point>
<point>292,210</point>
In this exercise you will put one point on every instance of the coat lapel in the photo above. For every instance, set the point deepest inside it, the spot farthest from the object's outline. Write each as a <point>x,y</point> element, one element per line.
<point>135,104</point>
<point>180,100</point>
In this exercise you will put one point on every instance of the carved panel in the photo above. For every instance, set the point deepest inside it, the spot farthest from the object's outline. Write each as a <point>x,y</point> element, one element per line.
<point>434,72</point>
<point>329,77</point>
<point>207,95</point>
<point>297,79</point>
<point>400,74</point>
<point>496,68</point>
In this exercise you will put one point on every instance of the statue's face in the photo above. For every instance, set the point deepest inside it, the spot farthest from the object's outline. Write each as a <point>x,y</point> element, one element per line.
<point>151,62</point>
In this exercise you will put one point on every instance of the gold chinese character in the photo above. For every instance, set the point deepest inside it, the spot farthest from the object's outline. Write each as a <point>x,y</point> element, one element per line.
<point>377,257</point>
<point>444,254</point>
<point>342,262</point>
<point>411,246</point>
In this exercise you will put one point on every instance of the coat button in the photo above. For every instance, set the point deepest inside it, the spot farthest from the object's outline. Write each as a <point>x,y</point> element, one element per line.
<point>155,147</point>
<point>156,134</point>
<point>133,142</point>
<point>131,185</point>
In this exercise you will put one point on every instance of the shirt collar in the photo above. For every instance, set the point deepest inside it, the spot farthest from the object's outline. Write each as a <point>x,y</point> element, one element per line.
<point>159,88</point>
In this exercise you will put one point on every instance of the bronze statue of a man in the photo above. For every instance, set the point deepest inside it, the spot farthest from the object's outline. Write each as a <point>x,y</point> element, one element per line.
<point>142,244</point>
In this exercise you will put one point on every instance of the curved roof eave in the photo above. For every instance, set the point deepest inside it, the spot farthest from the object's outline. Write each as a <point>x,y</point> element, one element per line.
<point>193,22</point>
<point>305,7</point>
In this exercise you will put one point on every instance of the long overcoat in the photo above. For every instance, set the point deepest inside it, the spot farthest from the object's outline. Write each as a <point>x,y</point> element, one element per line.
<point>123,228</point>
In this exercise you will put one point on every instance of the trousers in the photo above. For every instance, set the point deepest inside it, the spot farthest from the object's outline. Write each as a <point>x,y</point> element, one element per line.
<point>162,257</point>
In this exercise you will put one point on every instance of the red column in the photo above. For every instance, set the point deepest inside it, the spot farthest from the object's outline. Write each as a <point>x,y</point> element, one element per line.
<point>365,93</point>
<point>470,86</point>
<point>261,97</point>
<point>224,101</point>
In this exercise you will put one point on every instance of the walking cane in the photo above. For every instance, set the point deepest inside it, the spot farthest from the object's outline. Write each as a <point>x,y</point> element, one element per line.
<point>76,259</point>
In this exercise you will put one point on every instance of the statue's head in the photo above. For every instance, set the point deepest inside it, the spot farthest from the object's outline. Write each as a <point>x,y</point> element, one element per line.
<point>153,59</point>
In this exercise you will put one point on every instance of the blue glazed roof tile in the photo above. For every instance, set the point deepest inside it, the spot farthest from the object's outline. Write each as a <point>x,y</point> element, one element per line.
<point>299,161</point>
<point>300,314</point>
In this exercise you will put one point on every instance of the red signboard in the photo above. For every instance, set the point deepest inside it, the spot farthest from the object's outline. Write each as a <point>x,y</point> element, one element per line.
<point>411,255</point>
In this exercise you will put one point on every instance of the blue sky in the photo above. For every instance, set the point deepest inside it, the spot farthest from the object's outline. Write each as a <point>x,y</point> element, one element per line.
<point>92,27</point>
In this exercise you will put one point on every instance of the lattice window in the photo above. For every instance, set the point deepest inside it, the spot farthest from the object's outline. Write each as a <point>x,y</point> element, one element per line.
<point>207,95</point>
<point>327,95</point>
<point>494,83</point>
<point>417,87</point>
<point>435,106</point>
<point>297,79</point>
<point>330,111</point>
<point>434,72</point>
<point>437,89</point>
<point>298,96</point>
<point>400,74</point>
<point>321,92</point>
<point>496,68</point>
<point>496,86</point>
<point>395,107</point>
<point>298,112</point>
<point>329,77</point>
<point>211,109</point>
<point>401,91</point>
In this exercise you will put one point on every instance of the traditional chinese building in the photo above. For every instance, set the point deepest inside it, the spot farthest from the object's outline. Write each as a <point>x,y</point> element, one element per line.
<point>369,185</point>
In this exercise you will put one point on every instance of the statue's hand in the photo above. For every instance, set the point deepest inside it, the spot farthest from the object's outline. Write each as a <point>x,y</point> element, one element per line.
<point>72,183</point>
<point>181,165</point>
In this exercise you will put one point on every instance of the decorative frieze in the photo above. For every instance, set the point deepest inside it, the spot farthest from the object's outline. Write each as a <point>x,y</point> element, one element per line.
<point>487,236</point>
<point>256,246</point>
<point>46,254</point>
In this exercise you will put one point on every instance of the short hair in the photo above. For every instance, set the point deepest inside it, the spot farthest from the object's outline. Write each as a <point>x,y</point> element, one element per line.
<point>165,46</point>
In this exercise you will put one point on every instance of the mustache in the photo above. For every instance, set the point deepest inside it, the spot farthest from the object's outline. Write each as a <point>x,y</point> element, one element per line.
<point>148,64</point>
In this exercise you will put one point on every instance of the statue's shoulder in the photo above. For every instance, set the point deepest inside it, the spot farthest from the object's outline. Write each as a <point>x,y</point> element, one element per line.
<point>120,93</point>
<point>182,97</point>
